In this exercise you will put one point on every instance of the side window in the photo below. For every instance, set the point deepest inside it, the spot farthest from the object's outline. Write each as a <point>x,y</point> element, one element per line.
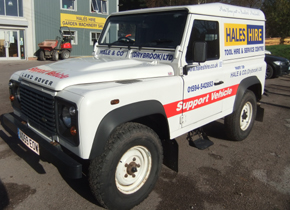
<point>99,6</point>
<point>68,4</point>
<point>205,31</point>
<point>74,37</point>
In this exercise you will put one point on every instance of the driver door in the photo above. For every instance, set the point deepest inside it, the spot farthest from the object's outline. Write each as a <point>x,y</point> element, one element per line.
<point>203,80</point>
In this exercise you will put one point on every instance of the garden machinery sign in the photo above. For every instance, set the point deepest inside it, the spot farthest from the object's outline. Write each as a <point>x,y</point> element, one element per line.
<point>80,21</point>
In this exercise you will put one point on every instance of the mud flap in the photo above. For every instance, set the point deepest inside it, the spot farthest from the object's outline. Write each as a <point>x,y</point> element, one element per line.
<point>260,114</point>
<point>170,154</point>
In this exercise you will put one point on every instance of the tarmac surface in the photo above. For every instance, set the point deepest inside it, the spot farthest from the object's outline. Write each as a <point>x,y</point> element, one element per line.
<point>252,174</point>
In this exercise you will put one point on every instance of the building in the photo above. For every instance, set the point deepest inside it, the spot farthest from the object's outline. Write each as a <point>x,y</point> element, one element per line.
<point>23,26</point>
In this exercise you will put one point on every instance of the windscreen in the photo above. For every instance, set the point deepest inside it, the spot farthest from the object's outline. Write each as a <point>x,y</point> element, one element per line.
<point>157,30</point>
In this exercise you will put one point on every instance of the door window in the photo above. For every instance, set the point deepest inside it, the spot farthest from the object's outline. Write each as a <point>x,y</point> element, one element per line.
<point>21,43</point>
<point>9,44</point>
<point>13,49</point>
<point>205,31</point>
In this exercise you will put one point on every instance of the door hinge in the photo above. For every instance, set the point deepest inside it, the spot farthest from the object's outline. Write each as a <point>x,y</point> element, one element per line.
<point>182,119</point>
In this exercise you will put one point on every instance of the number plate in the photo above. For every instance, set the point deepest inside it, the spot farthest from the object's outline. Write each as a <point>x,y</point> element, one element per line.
<point>29,142</point>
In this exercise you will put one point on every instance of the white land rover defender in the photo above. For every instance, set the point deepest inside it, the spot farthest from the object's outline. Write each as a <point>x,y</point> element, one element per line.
<point>155,74</point>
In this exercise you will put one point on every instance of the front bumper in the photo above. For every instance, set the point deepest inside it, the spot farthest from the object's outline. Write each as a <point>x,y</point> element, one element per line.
<point>67,166</point>
<point>285,69</point>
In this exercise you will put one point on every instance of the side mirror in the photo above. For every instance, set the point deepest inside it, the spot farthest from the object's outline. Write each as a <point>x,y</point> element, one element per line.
<point>199,52</point>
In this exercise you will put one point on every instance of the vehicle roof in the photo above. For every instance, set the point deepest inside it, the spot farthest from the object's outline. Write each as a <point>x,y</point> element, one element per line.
<point>212,9</point>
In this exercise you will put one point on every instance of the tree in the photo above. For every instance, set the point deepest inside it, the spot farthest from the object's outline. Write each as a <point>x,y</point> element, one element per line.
<point>131,4</point>
<point>137,4</point>
<point>158,3</point>
<point>245,3</point>
<point>277,13</point>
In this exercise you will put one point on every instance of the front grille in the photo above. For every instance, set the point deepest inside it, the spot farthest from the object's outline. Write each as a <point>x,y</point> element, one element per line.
<point>39,107</point>
<point>286,63</point>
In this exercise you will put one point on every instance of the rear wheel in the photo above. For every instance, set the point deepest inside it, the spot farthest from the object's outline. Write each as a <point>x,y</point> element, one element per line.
<point>41,55</point>
<point>65,54</point>
<point>240,123</point>
<point>55,55</point>
<point>125,174</point>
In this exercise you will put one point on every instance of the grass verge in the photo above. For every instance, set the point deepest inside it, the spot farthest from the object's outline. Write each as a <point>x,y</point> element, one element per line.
<point>280,50</point>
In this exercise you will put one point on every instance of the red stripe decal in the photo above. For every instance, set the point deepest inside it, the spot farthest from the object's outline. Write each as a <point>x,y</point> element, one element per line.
<point>176,108</point>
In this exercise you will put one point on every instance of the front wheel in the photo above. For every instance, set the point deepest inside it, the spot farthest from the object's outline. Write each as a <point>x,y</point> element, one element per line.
<point>239,124</point>
<point>65,54</point>
<point>125,174</point>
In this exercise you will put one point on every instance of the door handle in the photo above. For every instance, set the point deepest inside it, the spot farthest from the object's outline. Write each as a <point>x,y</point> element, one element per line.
<point>219,83</point>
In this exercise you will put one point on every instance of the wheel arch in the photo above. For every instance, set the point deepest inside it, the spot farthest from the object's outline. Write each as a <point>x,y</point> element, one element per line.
<point>251,83</point>
<point>150,113</point>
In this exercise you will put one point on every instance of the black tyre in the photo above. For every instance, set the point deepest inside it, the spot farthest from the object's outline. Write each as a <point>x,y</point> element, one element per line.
<point>269,72</point>
<point>55,55</point>
<point>240,123</point>
<point>125,174</point>
<point>65,54</point>
<point>41,55</point>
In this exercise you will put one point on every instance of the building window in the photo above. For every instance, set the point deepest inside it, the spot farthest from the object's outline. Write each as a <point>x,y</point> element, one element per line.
<point>99,6</point>
<point>11,8</point>
<point>68,4</point>
<point>71,34</point>
<point>94,37</point>
<point>2,8</point>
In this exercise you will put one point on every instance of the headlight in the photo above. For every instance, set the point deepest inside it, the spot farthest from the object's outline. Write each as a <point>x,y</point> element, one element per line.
<point>14,89</point>
<point>66,118</point>
<point>66,115</point>
<point>278,63</point>
<point>67,123</point>
<point>18,94</point>
<point>11,84</point>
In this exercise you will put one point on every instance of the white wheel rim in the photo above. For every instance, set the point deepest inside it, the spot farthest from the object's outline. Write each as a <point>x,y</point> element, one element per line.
<point>246,116</point>
<point>133,169</point>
